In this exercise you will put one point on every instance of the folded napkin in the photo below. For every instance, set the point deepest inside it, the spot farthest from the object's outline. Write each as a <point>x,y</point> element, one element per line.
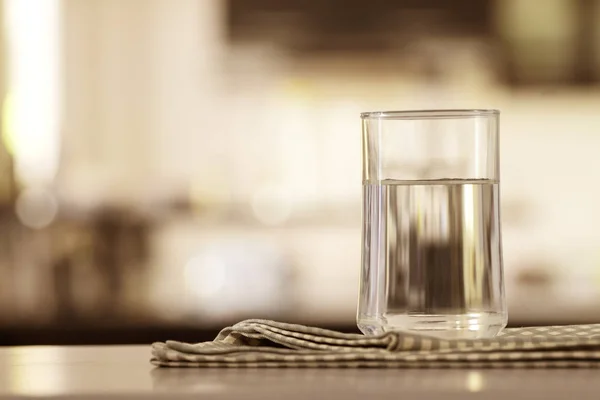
<point>262,343</point>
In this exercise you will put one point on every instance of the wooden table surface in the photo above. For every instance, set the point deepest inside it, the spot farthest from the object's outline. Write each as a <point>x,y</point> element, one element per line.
<point>113,372</point>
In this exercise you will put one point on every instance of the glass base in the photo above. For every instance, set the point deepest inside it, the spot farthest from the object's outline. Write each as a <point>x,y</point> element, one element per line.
<point>446,326</point>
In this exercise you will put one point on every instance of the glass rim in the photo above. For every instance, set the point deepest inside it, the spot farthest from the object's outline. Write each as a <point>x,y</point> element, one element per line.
<point>430,114</point>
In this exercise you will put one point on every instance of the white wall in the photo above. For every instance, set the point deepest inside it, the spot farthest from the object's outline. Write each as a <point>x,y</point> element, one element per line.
<point>140,82</point>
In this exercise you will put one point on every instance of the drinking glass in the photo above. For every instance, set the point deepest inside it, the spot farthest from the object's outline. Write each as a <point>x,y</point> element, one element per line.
<point>432,248</point>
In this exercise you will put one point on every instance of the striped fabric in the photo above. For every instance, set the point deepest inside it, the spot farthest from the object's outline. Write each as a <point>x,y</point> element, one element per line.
<point>262,343</point>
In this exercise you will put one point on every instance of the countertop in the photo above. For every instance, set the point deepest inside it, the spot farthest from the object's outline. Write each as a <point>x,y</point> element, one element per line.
<point>113,372</point>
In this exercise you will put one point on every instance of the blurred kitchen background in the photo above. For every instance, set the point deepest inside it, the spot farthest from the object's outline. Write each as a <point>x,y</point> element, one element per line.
<point>172,166</point>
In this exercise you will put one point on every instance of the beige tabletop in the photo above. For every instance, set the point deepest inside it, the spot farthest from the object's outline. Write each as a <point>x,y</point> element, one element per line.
<point>124,372</point>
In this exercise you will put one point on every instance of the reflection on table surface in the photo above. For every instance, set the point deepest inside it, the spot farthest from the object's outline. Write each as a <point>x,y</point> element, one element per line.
<point>125,370</point>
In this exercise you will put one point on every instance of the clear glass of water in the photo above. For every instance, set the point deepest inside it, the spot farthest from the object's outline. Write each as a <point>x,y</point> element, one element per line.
<point>432,248</point>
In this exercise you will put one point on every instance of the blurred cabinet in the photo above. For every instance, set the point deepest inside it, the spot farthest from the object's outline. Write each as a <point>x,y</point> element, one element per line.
<point>549,42</point>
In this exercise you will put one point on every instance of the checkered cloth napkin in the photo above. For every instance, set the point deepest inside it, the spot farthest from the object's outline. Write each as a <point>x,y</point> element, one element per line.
<point>262,343</point>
